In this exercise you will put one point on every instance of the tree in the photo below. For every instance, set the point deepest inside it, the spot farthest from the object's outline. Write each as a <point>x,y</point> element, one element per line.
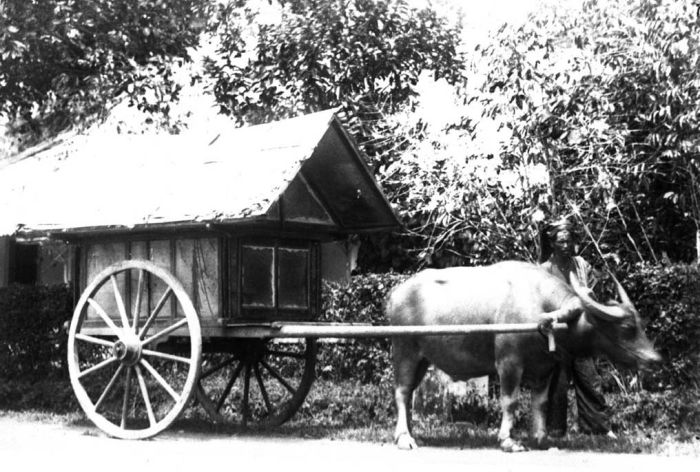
<point>64,62</point>
<point>607,98</point>
<point>597,107</point>
<point>364,56</point>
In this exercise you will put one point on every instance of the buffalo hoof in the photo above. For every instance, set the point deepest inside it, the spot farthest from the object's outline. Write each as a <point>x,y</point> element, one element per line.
<point>541,444</point>
<point>509,445</point>
<point>405,442</point>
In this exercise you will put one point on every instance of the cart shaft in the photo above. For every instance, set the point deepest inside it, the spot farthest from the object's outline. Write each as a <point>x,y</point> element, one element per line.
<point>300,330</point>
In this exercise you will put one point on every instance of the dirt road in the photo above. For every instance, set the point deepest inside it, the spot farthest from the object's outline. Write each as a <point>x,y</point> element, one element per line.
<point>37,445</point>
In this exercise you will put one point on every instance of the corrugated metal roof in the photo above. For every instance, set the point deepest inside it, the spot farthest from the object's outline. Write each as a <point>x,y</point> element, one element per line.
<point>107,179</point>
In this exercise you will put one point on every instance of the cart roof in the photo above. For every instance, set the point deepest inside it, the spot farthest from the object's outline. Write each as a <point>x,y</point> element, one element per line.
<point>108,181</point>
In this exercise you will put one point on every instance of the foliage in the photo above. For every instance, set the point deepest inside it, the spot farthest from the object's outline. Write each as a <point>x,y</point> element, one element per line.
<point>675,411</point>
<point>607,99</point>
<point>32,332</point>
<point>64,62</point>
<point>364,56</point>
<point>361,301</point>
<point>590,110</point>
<point>46,394</point>
<point>668,297</point>
<point>460,203</point>
<point>671,413</point>
<point>337,403</point>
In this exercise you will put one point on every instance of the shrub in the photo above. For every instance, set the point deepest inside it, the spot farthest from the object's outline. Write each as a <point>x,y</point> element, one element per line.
<point>48,394</point>
<point>670,410</point>
<point>669,298</point>
<point>32,335</point>
<point>361,301</point>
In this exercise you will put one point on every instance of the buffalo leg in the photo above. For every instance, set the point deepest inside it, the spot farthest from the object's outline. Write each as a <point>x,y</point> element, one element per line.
<point>510,374</point>
<point>540,400</point>
<point>409,370</point>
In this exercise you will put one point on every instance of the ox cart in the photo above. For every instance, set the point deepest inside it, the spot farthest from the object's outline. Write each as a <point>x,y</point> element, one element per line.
<point>197,265</point>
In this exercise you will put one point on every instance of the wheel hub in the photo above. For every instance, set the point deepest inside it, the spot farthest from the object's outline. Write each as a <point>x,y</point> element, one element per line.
<point>127,351</point>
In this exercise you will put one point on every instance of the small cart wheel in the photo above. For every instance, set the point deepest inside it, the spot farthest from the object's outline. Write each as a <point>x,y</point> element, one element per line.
<point>134,370</point>
<point>260,382</point>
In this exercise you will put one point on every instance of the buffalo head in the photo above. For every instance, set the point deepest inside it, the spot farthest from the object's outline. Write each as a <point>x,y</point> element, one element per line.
<point>618,328</point>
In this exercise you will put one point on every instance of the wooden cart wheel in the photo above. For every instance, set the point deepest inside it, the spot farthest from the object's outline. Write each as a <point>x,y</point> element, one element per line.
<point>260,382</point>
<point>134,370</point>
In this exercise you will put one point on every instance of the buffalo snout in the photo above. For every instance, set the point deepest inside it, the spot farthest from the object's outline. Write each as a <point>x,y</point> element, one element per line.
<point>650,359</point>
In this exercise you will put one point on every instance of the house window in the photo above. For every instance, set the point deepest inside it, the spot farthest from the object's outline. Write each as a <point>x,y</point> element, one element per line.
<point>274,278</point>
<point>258,284</point>
<point>25,264</point>
<point>293,278</point>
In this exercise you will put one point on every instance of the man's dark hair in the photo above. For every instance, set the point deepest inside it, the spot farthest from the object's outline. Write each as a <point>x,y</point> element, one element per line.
<point>549,233</point>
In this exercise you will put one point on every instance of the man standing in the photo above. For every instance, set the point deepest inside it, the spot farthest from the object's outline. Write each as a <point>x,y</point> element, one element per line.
<point>558,257</point>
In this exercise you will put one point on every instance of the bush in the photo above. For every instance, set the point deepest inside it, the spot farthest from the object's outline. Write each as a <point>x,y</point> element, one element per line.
<point>669,298</point>
<point>48,394</point>
<point>32,335</point>
<point>671,411</point>
<point>361,301</point>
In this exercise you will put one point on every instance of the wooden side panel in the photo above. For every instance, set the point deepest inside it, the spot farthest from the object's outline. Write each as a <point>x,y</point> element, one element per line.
<point>160,253</point>
<point>139,250</point>
<point>185,267</point>
<point>195,262</point>
<point>98,257</point>
<point>233,278</point>
<point>207,277</point>
<point>315,282</point>
<point>197,267</point>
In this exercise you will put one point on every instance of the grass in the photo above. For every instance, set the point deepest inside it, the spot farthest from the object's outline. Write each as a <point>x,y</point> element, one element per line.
<point>361,412</point>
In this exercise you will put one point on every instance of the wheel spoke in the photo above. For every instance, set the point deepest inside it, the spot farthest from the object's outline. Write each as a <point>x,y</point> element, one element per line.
<point>246,394</point>
<point>137,303</point>
<point>93,340</point>
<point>125,403</point>
<point>229,386</point>
<point>166,331</point>
<point>105,317</point>
<point>263,390</point>
<point>154,313</point>
<point>282,388</point>
<point>146,399</point>
<point>97,367</point>
<point>125,381</point>
<point>295,355</point>
<point>120,302</point>
<point>160,380</point>
<point>165,355</point>
<point>279,378</point>
<point>217,368</point>
<point>109,386</point>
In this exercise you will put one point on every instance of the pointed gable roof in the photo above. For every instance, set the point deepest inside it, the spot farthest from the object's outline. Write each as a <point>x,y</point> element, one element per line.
<point>105,182</point>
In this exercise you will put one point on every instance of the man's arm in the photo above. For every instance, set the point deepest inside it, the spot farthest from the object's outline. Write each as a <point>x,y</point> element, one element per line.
<point>567,313</point>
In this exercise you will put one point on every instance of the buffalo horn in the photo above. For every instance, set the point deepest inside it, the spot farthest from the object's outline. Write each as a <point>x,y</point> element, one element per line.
<point>605,312</point>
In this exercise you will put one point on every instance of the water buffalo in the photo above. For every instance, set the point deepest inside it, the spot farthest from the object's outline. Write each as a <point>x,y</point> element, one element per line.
<point>507,292</point>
